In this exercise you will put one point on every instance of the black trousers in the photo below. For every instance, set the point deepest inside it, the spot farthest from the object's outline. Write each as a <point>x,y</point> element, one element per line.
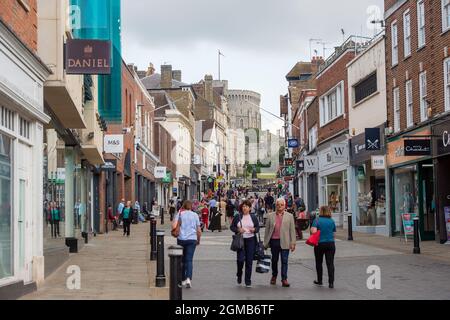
<point>126,226</point>
<point>55,228</point>
<point>245,256</point>
<point>328,250</point>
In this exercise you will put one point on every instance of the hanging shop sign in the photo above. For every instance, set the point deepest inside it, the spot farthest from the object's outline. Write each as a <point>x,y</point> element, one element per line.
<point>293,143</point>
<point>378,162</point>
<point>339,153</point>
<point>110,165</point>
<point>300,165</point>
<point>359,153</point>
<point>167,178</point>
<point>417,147</point>
<point>311,164</point>
<point>113,143</point>
<point>160,172</point>
<point>373,139</point>
<point>88,56</point>
<point>288,162</point>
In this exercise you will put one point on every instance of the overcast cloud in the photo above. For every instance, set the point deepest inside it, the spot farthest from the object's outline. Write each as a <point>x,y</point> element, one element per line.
<point>261,39</point>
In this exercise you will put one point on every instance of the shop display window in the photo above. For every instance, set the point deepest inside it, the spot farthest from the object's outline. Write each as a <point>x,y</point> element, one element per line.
<point>6,243</point>
<point>371,201</point>
<point>405,193</point>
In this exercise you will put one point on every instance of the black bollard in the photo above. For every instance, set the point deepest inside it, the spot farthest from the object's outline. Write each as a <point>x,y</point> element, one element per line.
<point>416,236</point>
<point>350,227</point>
<point>153,252</point>
<point>85,236</point>
<point>160,274</point>
<point>176,288</point>
<point>162,215</point>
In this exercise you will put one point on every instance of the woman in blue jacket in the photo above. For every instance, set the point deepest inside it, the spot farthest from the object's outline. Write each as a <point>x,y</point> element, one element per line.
<point>246,224</point>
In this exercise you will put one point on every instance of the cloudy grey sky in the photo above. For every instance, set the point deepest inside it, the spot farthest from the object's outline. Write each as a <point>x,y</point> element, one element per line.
<point>261,39</point>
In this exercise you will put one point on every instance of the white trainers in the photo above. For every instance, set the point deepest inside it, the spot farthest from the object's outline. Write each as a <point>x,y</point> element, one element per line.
<point>188,283</point>
<point>183,283</point>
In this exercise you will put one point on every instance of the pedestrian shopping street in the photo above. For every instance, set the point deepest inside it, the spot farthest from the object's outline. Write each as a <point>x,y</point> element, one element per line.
<point>105,260</point>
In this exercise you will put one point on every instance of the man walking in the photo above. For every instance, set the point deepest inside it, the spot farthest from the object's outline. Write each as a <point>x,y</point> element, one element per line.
<point>281,238</point>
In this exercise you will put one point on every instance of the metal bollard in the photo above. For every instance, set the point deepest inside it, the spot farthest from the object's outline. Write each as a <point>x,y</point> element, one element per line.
<point>416,236</point>
<point>160,274</point>
<point>85,236</point>
<point>153,252</point>
<point>162,215</point>
<point>350,227</point>
<point>176,288</point>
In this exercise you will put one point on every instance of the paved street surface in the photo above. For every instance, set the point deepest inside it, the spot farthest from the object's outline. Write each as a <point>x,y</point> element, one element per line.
<point>112,267</point>
<point>403,275</point>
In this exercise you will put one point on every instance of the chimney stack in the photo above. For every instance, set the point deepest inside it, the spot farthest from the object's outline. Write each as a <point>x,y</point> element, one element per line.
<point>150,70</point>
<point>176,75</point>
<point>209,88</point>
<point>166,76</point>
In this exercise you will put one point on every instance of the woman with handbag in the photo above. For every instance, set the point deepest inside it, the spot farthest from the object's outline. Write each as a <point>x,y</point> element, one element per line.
<point>326,245</point>
<point>245,225</point>
<point>186,228</point>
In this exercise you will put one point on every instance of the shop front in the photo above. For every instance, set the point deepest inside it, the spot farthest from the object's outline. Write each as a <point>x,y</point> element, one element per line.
<point>22,121</point>
<point>412,183</point>
<point>333,177</point>
<point>441,155</point>
<point>368,187</point>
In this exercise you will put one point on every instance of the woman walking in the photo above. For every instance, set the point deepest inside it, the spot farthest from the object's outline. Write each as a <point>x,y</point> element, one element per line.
<point>326,245</point>
<point>246,224</point>
<point>189,239</point>
<point>230,211</point>
<point>126,217</point>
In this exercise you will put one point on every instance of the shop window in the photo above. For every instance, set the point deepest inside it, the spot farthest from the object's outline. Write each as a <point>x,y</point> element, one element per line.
<point>6,242</point>
<point>405,194</point>
<point>371,201</point>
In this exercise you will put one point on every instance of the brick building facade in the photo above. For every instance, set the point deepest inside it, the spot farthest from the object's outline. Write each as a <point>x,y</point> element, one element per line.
<point>418,95</point>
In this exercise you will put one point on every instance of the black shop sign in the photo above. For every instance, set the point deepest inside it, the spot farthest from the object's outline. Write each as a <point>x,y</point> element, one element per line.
<point>417,147</point>
<point>366,145</point>
<point>441,134</point>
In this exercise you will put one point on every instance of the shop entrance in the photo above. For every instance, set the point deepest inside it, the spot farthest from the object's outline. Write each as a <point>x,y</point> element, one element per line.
<point>427,201</point>
<point>414,194</point>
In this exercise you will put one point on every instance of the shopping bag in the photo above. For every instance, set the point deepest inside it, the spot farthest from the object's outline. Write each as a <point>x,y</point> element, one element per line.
<point>263,265</point>
<point>314,239</point>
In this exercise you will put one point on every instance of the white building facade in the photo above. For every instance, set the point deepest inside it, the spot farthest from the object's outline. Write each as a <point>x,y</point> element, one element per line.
<point>22,121</point>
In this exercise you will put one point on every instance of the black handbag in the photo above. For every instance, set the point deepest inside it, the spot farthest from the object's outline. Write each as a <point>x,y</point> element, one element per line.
<point>238,241</point>
<point>259,250</point>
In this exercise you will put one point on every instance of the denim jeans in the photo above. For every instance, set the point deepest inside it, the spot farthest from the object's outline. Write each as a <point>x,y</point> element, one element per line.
<point>188,257</point>
<point>246,256</point>
<point>275,247</point>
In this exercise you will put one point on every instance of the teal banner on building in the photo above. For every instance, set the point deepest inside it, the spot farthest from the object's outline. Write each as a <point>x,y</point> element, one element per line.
<point>101,20</point>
